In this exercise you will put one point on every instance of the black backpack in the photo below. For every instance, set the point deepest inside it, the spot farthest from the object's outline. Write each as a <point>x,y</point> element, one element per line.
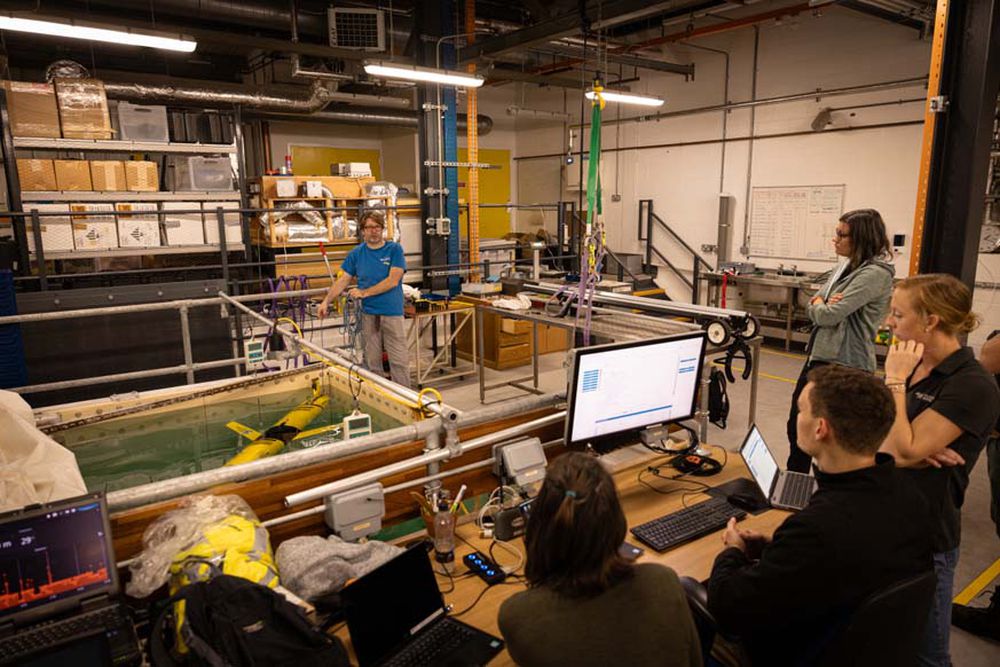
<point>718,398</point>
<point>231,621</point>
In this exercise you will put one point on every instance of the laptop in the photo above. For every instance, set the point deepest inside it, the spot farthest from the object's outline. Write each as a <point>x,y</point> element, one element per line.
<point>782,488</point>
<point>59,588</point>
<point>397,616</point>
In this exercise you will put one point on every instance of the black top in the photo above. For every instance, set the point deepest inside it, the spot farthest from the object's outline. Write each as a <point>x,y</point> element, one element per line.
<point>960,390</point>
<point>862,531</point>
<point>993,334</point>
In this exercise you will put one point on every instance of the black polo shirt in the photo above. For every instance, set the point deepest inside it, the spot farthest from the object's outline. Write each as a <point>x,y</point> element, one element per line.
<point>960,390</point>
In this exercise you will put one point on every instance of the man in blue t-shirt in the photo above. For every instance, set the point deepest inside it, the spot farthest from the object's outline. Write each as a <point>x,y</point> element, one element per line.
<point>379,267</point>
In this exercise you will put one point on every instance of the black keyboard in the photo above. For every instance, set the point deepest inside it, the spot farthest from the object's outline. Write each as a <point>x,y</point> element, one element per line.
<point>434,643</point>
<point>54,633</point>
<point>686,524</point>
<point>797,490</point>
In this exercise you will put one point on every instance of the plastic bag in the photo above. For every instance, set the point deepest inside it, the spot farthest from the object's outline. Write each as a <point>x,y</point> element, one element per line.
<point>178,531</point>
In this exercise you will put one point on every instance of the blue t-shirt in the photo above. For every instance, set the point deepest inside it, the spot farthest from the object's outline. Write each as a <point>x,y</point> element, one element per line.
<point>371,267</point>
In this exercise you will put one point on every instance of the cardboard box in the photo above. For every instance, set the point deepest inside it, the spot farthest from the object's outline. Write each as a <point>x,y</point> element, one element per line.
<point>142,176</point>
<point>36,175</point>
<point>231,222</point>
<point>346,187</point>
<point>32,108</point>
<point>138,225</point>
<point>73,175</point>
<point>57,231</point>
<point>108,175</point>
<point>94,226</point>
<point>83,109</point>
<point>183,228</point>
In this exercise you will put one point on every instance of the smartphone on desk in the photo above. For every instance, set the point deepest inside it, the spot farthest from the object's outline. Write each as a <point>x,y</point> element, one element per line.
<point>630,552</point>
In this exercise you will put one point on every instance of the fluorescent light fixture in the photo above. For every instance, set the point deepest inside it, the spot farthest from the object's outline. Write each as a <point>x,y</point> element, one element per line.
<point>427,74</point>
<point>626,98</point>
<point>96,34</point>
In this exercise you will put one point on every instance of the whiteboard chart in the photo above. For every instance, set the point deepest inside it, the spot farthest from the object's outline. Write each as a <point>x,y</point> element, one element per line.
<point>795,222</point>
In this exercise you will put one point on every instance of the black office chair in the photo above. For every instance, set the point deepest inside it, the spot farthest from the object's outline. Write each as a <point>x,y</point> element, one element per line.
<point>888,627</point>
<point>704,623</point>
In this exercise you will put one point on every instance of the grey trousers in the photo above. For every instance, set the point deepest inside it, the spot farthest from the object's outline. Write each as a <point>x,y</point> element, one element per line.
<point>386,332</point>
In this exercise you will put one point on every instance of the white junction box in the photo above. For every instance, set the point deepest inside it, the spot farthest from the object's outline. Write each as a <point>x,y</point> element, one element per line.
<point>285,187</point>
<point>353,169</point>
<point>234,230</point>
<point>183,228</point>
<point>94,226</point>
<point>314,189</point>
<point>57,231</point>
<point>138,226</point>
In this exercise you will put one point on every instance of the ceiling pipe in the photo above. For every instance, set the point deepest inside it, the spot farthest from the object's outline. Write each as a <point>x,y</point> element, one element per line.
<point>368,116</point>
<point>251,98</point>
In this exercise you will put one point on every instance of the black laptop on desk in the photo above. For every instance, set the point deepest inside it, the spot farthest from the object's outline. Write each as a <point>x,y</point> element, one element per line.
<point>397,616</point>
<point>782,488</point>
<point>59,588</point>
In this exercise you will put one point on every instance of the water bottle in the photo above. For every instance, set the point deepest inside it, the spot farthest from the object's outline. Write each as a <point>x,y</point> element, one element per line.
<point>444,535</point>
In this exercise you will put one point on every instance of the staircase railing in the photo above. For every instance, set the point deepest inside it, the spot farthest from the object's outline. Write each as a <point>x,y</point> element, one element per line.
<point>648,221</point>
<point>622,269</point>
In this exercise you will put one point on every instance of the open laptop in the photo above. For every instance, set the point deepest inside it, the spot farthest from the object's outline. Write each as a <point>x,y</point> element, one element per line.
<point>397,616</point>
<point>59,587</point>
<point>782,488</point>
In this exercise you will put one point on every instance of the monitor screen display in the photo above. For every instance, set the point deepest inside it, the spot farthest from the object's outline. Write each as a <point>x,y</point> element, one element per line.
<point>759,460</point>
<point>627,386</point>
<point>54,555</point>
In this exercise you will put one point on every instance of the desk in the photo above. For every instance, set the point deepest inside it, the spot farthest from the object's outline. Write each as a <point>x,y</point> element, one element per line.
<point>641,504</point>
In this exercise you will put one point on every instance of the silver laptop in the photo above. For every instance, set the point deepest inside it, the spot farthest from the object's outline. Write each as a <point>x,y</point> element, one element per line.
<point>782,488</point>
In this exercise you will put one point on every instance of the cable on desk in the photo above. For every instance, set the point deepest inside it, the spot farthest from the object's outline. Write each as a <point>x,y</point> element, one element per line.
<point>511,549</point>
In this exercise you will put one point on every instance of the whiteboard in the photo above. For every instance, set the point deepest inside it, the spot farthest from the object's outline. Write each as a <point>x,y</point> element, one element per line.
<point>795,222</point>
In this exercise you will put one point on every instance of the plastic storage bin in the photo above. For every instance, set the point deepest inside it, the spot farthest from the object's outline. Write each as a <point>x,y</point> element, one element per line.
<point>196,173</point>
<point>138,122</point>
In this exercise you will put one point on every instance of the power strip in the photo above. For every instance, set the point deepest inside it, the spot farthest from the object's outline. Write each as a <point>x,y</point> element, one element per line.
<point>483,567</point>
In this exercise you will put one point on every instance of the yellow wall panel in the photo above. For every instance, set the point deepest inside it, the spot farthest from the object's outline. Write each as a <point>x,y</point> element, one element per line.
<point>494,188</point>
<point>316,160</point>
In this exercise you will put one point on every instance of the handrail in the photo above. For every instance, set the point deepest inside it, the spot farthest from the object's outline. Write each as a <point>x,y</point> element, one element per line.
<point>648,216</point>
<point>622,269</point>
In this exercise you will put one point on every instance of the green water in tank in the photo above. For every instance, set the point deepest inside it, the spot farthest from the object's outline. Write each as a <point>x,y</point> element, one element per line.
<point>139,449</point>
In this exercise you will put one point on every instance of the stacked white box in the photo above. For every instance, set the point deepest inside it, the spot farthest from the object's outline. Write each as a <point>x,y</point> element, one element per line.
<point>183,228</point>
<point>353,169</point>
<point>234,230</point>
<point>57,231</point>
<point>94,226</point>
<point>138,226</point>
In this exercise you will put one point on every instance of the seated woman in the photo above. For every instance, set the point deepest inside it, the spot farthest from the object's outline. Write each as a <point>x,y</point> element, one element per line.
<point>946,407</point>
<point>586,605</point>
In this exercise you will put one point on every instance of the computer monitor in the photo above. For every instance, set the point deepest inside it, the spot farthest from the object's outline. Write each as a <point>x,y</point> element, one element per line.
<point>623,387</point>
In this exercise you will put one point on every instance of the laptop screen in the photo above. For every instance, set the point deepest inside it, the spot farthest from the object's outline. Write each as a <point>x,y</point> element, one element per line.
<point>759,460</point>
<point>54,555</point>
<point>390,603</point>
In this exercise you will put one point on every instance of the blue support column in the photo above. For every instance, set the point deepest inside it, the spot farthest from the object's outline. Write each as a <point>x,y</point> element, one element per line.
<point>450,99</point>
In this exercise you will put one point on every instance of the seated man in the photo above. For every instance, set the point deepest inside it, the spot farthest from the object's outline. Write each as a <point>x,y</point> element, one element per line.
<point>865,528</point>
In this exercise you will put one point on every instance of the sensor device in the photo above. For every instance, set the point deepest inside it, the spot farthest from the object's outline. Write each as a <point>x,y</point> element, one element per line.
<point>522,461</point>
<point>357,425</point>
<point>356,513</point>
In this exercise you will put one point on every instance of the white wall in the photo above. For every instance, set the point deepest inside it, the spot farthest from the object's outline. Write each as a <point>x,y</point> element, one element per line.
<point>837,49</point>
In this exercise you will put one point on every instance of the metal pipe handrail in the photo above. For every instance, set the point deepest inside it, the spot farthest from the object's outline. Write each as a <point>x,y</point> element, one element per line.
<point>684,243</point>
<point>436,456</point>
<point>123,377</point>
<point>423,402</point>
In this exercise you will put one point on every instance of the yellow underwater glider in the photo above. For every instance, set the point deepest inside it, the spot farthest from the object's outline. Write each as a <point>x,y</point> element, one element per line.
<point>288,428</point>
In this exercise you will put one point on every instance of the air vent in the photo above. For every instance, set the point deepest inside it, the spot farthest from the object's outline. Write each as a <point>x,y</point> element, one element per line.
<point>361,29</point>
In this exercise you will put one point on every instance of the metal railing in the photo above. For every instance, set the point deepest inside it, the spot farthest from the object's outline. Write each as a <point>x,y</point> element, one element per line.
<point>648,223</point>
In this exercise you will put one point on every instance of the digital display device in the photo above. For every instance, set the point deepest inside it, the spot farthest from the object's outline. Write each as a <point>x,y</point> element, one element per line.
<point>628,386</point>
<point>56,554</point>
<point>760,461</point>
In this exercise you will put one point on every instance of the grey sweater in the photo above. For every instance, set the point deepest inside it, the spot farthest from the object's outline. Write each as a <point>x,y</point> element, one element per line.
<point>845,332</point>
<point>643,620</point>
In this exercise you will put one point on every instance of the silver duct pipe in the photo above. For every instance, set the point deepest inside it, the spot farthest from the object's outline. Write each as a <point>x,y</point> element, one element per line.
<point>254,98</point>
<point>369,116</point>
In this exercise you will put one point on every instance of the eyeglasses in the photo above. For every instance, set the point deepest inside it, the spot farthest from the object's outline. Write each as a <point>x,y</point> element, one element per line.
<point>368,227</point>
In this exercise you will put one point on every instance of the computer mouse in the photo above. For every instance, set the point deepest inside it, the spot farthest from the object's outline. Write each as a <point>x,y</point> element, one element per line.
<point>744,502</point>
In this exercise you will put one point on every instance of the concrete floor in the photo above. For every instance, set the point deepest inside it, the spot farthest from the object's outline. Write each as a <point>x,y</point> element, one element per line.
<point>779,369</point>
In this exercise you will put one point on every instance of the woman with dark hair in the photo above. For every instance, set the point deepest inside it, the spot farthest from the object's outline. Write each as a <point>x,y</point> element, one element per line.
<point>946,407</point>
<point>848,310</point>
<point>585,604</point>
